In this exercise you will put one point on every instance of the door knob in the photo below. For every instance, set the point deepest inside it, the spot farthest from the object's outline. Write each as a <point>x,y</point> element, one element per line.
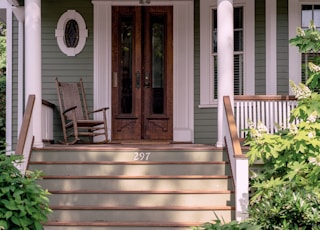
<point>146,80</point>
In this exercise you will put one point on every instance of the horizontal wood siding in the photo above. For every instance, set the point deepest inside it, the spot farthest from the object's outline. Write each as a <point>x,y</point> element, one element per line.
<point>14,82</point>
<point>57,64</point>
<point>282,48</point>
<point>205,124</point>
<point>260,47</point>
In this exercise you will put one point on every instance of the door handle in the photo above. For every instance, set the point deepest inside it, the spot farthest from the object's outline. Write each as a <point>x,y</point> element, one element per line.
<point>138,76</point>
<point>146,80</point>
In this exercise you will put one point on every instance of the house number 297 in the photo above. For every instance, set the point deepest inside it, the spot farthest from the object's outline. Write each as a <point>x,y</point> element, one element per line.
<point>141,156</point>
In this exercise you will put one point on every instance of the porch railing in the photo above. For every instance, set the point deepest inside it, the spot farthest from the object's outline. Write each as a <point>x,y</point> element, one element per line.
<point>25,140</point>
<point>238,162</point>
<point>273,112</point>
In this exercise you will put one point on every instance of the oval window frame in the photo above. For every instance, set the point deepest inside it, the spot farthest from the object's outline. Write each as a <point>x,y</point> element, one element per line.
<point>60,32</point>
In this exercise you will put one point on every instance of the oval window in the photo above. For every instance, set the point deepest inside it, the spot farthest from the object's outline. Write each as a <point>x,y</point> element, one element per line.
<point>71,34</point>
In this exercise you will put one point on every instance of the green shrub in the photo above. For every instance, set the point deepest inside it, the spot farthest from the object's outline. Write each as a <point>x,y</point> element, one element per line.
<point>286,193</point>
<point>23,203</point>
<point>233,225</point>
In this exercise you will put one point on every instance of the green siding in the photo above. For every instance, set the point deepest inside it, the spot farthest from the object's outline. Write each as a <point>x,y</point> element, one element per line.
<point>14,82</point>
<point>282,48</point>
<point>260,47</point>
<point>205,123</point>
<point>55,63</point>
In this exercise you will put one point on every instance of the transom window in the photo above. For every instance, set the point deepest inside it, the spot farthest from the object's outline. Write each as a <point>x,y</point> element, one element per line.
<point>309,13</point>
<point>238,52</point>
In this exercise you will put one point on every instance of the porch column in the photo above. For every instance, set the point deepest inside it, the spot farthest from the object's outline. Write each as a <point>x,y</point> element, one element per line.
<point>225,62</point>
<point>33,64</point>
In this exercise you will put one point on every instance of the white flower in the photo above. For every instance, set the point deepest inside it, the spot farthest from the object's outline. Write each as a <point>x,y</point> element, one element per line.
<point>313,67</point>
<point>312,134</point>
<point>312,117</point>
<point>293,129</point>
<point>314,161</point>
<point>262,128</point>
<point>300,32</point>
<point>301,91</point>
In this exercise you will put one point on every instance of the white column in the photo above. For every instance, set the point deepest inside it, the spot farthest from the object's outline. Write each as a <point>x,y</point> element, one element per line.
<point>225,61</point>
<point>271,47</point>
<point>33,63</point>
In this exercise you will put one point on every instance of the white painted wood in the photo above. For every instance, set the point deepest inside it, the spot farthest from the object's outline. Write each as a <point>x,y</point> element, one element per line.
<point>47,123</point>
<point>33,63</point>
<point>294,56</point>
<point>270,113</point>
<point>183,62</point>
<point>225,63</point>
<point>102,59</point>
<point>242,188</point>
<point>271,47</point>
<point>183,91</point>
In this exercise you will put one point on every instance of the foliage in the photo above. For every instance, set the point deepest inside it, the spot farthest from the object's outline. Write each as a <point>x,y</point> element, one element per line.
<point>308,42</point>
<point>233,225</point>
<point>286,193</point>
<point>23,203</point>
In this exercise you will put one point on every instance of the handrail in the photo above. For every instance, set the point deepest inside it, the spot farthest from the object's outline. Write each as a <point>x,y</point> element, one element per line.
<point>26,138</point>
<point>238,162</point>
<point>25,125</point>
<point>264,97</point>
<point>232,127</point>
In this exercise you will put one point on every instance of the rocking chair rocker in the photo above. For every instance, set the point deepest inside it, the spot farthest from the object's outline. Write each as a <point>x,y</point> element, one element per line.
<point>74,114</point>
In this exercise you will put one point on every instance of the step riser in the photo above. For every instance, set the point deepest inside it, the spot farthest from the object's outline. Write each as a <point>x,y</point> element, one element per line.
<point>133,170</point>
<point>137,184</point>
<point>132,155</point>
<point>144,200</point>
<point>138,215</point>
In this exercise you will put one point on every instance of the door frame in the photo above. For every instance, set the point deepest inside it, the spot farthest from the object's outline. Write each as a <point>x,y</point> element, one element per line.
<point>183,63</point>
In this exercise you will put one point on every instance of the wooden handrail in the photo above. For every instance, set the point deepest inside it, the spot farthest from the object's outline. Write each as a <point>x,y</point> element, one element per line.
<point>232,127</point>
<point>264,98</point>
<point>25,125</point>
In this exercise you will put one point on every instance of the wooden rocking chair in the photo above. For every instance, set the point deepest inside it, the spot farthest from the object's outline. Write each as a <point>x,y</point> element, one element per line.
<point>75,115</point>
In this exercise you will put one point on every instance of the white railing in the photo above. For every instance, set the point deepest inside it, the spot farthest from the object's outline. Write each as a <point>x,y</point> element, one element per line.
<point>272,111</point>
<point>238,162</point>
<point>47,121</point>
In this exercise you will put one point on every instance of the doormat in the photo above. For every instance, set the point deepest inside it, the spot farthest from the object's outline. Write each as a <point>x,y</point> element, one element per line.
<point>145,142</point>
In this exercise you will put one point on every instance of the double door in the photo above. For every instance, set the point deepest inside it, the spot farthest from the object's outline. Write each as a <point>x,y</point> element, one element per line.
<point>142,69</point>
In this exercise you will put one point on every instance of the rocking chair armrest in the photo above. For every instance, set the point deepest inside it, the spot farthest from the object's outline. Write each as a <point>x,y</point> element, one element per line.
<point>71,108</point>
<point>99,110</point>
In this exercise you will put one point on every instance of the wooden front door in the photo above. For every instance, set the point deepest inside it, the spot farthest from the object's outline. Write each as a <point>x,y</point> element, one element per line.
<point>142,72</point>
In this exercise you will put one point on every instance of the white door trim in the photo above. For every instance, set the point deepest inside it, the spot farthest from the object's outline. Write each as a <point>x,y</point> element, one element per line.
<point>183,70</point>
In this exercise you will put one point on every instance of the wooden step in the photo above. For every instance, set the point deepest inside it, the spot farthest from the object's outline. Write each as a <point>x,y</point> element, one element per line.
<point>132,168</point>
<point>135,188</point>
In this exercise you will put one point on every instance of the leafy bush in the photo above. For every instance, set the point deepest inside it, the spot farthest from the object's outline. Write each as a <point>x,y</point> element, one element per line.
<point>286,193</point>
<point>23,203</point>
<point>233,225</point>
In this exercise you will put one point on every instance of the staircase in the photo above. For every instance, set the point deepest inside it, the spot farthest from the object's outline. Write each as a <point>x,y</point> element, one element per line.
<point>130,187</point>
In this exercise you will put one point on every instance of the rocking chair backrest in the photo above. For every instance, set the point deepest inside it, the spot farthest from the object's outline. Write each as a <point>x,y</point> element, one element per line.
<point>70,95</point>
